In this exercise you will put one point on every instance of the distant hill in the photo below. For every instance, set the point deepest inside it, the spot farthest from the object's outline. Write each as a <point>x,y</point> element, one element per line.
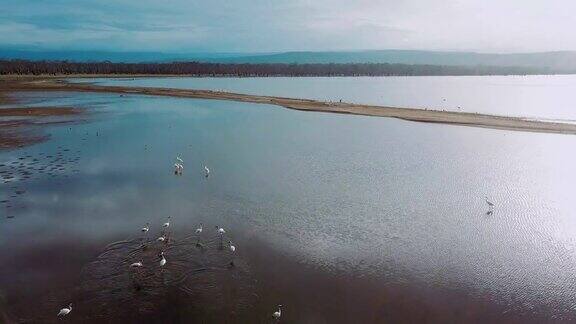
<point>558,62</point>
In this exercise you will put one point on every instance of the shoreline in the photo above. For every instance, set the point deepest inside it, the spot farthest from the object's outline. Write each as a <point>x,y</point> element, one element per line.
<point>39,83</point>
<point>21,126</point>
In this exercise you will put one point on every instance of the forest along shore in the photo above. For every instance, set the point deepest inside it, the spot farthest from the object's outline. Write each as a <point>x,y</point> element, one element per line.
<point>411,114</point>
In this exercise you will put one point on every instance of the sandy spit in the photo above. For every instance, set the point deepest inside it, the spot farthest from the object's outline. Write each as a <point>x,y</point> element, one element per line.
<point>411,114</point>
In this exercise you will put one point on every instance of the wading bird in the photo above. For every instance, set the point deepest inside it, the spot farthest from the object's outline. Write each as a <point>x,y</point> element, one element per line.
<point>179,159</point>
<point>178,168</point>
<point>199,229</point>
<point>161,239</point>
<point>490,206</point>
<point>278,313</point>
<point>136,264</point>
<point>232,249</point>
<point>146,228</point>
<point>167,223</point>
<point>163,260</point>
<point>488,202</point>
<point>206,171</point>
<point>65,311</point>
<point>221,232</point>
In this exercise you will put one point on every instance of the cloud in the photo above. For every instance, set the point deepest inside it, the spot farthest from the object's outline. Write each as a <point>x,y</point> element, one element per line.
<point>273,25</point>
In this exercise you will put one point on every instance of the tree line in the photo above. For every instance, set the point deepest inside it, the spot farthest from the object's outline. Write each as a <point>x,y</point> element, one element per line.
<point>25,67</point>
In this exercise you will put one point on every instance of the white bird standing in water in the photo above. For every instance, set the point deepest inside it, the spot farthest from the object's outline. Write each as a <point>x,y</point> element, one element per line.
<point>146,228</point>
<point>232,249</point>
<point>206,171</point>
<point>163,260</point>
<point>199,229</point>
<point>221,231</point>
<point>179,159</point>
<point>178,168</point>
<point>65,311</point>
<point>278,313</point>
<point>161,239</point>
<point>167,223</point>
<point>136,264</point>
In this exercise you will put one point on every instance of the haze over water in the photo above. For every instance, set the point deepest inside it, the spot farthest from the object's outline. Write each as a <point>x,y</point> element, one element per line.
<point>339,218</point>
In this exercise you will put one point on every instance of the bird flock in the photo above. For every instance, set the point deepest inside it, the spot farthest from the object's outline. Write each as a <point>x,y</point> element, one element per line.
<point>179,167</point>
<point>164,237</point>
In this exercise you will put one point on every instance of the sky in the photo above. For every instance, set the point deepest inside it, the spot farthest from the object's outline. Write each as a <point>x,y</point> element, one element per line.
<point>288,25</point>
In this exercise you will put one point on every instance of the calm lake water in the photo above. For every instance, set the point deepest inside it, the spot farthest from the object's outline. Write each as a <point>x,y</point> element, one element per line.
<point>341,219</point>
<point>538,96</point>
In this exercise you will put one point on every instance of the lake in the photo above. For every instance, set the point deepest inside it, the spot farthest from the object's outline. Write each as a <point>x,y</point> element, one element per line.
<point>338,218</point>
<point>535,96</point>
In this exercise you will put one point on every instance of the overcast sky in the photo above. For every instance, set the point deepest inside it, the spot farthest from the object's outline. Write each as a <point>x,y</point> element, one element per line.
<point>286,25</point>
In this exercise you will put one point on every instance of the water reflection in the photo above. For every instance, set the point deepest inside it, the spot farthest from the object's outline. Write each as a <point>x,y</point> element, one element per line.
<point>339,218</point>
<point>198,268</point>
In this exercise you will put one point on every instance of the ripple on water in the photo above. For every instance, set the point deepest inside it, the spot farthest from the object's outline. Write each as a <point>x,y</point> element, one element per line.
<point>35,166</point>
<point>200,271</point>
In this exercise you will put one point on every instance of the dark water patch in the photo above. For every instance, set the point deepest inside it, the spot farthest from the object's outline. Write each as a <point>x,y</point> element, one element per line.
<point>197,279</point>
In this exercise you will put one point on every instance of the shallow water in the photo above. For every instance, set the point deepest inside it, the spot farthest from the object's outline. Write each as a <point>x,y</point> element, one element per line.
<point>339,218</point>
<point>536,96</point>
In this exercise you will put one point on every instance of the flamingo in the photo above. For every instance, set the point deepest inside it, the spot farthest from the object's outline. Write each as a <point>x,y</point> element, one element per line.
<point>65,311</point>
<point>136,264</point>
<point>278,313</point>
<point>163,260</point>
<point>178,168</point>
<point>232,250</point>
